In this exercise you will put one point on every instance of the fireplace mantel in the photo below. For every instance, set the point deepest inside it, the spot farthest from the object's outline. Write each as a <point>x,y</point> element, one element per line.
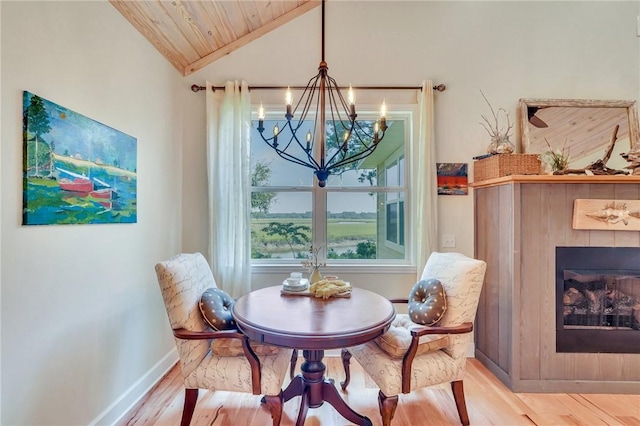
<point>519,222</point>
<point>557,179</point>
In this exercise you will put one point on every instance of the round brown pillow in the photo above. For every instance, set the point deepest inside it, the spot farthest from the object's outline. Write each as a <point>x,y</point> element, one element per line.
<point>215,306</point>
<point>427,302</point>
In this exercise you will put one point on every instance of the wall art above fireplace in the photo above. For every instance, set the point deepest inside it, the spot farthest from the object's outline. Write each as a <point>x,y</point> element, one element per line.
<point>610,215</point>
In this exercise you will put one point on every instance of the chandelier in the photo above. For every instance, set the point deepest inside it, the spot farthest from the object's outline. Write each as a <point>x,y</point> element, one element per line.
<point>349,141</point>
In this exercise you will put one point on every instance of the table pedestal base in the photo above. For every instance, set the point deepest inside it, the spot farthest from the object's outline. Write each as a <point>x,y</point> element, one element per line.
<point>315,389</point>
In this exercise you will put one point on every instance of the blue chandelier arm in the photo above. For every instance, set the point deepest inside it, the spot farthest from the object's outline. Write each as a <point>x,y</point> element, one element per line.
<point>356,157</point>
<point>341,147</point>
<point>286,156</point>
<point>372,135</point>
<point>294,136</point>
<point>282,152</point>
<point>312,87</point>
<point>335,89</point>
<point>352,129</point>
<point>363,148</point>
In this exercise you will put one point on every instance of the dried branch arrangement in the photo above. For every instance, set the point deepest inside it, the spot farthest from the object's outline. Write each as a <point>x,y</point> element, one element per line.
<point>495,130</point>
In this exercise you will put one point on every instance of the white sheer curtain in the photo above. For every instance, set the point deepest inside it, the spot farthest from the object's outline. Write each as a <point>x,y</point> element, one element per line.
<point>228,164</point>
<point>424,191</point>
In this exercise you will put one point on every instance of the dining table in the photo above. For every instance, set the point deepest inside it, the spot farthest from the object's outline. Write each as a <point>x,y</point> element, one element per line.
<point>314,324</point>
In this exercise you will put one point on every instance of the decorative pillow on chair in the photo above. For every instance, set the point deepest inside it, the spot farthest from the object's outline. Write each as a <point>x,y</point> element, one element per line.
<point>427,302</point>
<point>215,306</point>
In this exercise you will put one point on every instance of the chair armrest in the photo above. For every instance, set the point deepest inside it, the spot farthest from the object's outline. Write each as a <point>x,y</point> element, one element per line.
<point>183,333</point>
<point>418,331</point>
<point>254,361</point>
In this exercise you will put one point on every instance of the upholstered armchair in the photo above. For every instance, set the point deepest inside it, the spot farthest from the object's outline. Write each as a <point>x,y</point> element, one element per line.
<point>207,357</point>
<point>411,356</point>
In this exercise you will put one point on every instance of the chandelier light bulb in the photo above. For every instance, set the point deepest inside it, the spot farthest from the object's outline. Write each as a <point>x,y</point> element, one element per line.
<point>383,109</point>
<point>288,97</point>
<point>276,130</point>
<point>260,112</point>
<point>352,103</point>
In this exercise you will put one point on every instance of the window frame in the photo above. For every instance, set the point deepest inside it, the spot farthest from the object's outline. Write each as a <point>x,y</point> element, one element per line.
<point>404,113</point>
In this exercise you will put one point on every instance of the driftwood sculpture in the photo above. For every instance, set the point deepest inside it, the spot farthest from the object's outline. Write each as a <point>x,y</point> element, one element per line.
<point>599,167</point>
<point>633,157</point>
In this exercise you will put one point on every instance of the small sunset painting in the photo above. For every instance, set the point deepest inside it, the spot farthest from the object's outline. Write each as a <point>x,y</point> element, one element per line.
<point>452,179</point>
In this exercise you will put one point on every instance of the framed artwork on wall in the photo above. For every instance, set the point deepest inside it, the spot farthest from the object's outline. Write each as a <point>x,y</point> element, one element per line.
<point>609,215</point>
<point>75,169</point>
<point>452,178</point>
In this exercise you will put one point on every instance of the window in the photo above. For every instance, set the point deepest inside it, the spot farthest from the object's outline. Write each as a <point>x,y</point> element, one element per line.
<point>358,217</point>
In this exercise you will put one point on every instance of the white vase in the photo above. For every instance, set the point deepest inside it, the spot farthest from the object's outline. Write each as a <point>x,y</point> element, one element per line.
<point>315,276</point>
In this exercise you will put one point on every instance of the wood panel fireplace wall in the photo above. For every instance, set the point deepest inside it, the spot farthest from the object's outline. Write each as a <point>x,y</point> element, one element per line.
<point>519,223</point>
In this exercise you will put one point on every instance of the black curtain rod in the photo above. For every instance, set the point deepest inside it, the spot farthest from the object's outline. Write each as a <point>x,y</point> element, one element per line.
<point>439,88</point>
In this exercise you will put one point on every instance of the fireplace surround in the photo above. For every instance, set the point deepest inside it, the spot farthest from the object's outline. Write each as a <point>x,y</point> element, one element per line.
<point>598,299</point>
<point>519,222</point>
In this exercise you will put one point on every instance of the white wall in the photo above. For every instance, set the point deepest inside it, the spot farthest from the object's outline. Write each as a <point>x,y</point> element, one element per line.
<point>83,321</point>
<point>510,50</point>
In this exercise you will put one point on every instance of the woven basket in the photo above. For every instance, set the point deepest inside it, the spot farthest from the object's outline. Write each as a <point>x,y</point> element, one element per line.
<point>506,165</point>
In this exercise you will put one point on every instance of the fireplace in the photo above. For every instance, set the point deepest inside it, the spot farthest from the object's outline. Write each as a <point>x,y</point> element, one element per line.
<point>598,299</point>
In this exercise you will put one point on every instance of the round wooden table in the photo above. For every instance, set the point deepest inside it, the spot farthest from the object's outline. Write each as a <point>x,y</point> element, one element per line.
<point>314,325</point>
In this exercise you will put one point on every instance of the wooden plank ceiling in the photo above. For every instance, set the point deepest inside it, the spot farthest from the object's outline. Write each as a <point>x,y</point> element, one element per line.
<point>193,34</point>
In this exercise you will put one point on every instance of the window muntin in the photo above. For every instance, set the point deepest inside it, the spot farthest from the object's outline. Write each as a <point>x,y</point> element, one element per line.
<point>348,217</point>
<point>395,212</point>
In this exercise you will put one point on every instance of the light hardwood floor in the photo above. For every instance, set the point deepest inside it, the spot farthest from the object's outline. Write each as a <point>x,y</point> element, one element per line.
<point>489,402</point>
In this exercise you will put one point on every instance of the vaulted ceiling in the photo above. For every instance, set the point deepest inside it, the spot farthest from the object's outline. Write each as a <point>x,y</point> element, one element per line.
<point>193,34</point>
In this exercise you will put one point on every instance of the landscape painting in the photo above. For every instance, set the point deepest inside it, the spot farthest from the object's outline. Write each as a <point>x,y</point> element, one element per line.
<point>452,178</point>
<point>75,169</point>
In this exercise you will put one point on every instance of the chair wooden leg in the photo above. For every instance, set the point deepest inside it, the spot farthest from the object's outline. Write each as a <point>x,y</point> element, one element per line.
<point>346,356</point>
<point>274,403</point>
<point>190,399</point>
<point>458,395</point>
<point>387,405</point>
<point>294,360</point>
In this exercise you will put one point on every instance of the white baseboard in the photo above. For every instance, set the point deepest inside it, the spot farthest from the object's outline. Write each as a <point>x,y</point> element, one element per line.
<point>121,406</point>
